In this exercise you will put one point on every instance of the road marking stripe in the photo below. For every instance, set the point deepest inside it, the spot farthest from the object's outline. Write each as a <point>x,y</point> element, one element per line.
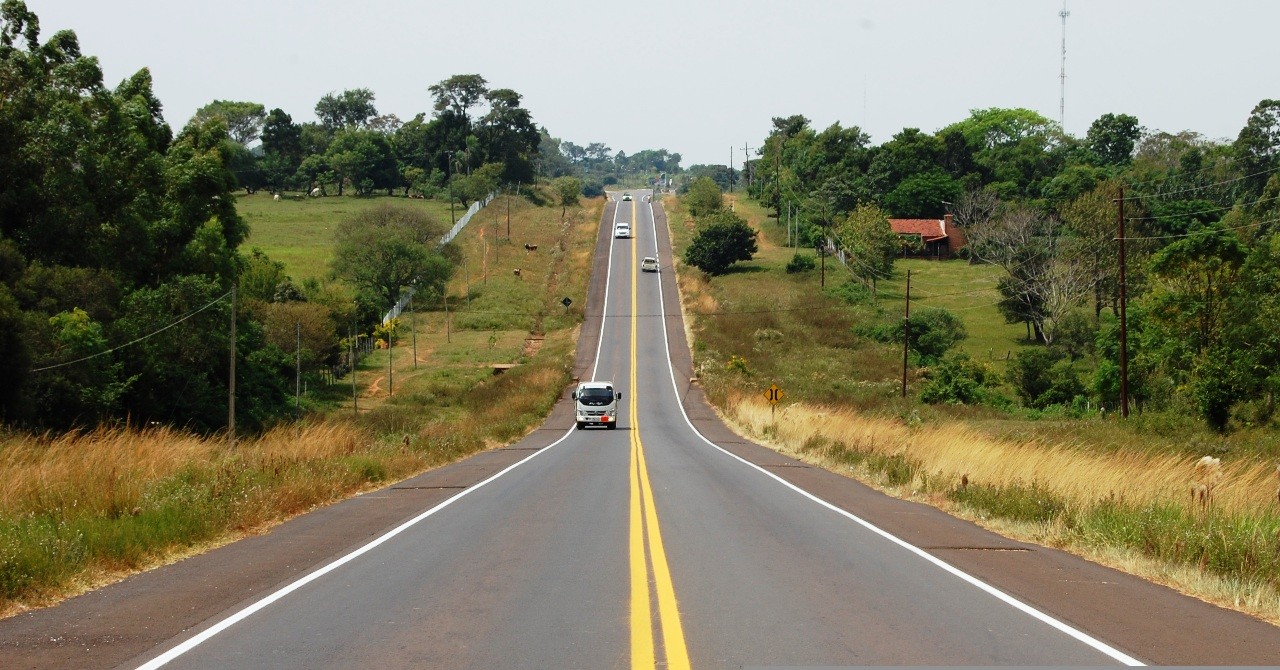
<point>641,609</point>
<point>673,642</point>
<point>1043,617</point>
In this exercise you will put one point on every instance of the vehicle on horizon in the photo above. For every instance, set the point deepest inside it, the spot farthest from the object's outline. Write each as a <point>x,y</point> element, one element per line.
<point>626,197</point>
<point>596,404</point>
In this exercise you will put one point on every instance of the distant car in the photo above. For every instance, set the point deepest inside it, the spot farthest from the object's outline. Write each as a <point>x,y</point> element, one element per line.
<point>622,229</point>
<point>626,197</point>
<point>649,264</point>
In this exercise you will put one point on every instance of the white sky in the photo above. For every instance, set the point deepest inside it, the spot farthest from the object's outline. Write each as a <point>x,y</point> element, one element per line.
<point>700,76</point>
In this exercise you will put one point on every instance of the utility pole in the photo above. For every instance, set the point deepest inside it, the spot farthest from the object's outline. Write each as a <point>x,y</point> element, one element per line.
<point>448,177</point>
<point>731,180</point>
<point>746,162</point>
<point>297,372</point>
<point>906,334</point>
<point>390,369</point>
<point>1062,74</point>
<point>1124,326</point>
<point>231,380</point>
<point>508,214</point>
<point>351,343</point>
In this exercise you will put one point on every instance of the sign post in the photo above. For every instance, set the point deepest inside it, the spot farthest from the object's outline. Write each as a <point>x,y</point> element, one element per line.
<point>773,394</point>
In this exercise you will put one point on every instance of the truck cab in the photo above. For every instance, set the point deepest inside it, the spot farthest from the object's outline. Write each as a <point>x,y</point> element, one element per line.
<point>596,404</point>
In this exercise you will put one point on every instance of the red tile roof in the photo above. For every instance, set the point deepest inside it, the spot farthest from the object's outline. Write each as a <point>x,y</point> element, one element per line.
<point>929,230</point>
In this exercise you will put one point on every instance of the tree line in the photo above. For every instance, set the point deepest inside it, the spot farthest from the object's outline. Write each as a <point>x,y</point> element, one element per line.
<point>1201,217</point>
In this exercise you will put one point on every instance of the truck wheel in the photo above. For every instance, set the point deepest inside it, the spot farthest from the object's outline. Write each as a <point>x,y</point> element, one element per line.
<point>579,425</point>
<point>613,425</point>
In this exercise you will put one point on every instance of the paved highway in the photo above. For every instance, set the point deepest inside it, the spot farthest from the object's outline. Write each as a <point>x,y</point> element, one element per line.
<point>667,542</point>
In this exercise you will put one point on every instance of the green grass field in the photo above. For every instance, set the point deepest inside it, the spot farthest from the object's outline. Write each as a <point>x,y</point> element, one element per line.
<point>299,232</point>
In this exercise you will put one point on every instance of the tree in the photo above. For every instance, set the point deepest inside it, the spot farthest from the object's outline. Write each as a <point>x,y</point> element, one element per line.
<point>351,108</point>
<point>479,184</point>
<point>243,119</point>
<point>871,243</point>
<point>567,190</point>
<point>458,94</point>
<point>1041,284</point>
<point>1090,218</point>
<point>508,136</point>
<point>723,239</point>
<point>1112,138</point>
<point>365,159</point>
<point>1196,275</point>
<point>1258,145</point>
<point>385,249</point>
<point>922,195</point>
<point>704,197</point>
<point>281,136</point>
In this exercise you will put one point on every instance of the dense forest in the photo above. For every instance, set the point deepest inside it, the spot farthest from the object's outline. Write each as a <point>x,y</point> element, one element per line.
<point>1200,220</point>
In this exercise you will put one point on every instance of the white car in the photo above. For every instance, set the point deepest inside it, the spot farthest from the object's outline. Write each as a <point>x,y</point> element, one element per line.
<point>649,264</point>
<point>622,229</point>
<point>626,197</point>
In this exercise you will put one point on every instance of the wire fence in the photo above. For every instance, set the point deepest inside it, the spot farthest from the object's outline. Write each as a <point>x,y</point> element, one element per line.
<point>398,308</point>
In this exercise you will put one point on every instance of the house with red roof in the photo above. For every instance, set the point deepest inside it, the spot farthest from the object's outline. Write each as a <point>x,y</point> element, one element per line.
<point>937,238</point>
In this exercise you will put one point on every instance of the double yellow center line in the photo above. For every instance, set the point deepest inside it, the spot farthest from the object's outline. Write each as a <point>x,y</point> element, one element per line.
<point>646,531</point>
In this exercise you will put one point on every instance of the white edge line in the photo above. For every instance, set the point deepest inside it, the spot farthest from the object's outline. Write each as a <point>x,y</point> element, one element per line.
<point>1079,635</point>
<point>208,633</point>
<point>604,307</point>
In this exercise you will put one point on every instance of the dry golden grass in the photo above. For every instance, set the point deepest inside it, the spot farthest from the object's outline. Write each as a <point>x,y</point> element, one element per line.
<point>106,471</point>
<point>952,450</point>
<point>1082,478</point>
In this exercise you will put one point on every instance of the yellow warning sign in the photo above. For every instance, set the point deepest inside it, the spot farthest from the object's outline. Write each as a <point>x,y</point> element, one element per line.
<point>773,394</point>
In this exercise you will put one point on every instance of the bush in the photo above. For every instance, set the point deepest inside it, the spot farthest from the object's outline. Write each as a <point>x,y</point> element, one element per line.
<point>801,263</point>
<point>933,331</point>
<point>1075,333</point>
<point>724,240</point>
<point>853,292</point>
<point>957,380</point>
<point>1044,377</point>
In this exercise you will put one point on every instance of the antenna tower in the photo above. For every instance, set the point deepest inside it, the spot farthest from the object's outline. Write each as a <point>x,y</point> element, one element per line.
<point>1062,74</point>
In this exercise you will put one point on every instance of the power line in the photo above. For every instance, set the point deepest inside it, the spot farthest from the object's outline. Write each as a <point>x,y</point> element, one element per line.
<point>144,337</point>
<point>1203,211</point>
<point>1189,189</point>
<point>1202,231</point>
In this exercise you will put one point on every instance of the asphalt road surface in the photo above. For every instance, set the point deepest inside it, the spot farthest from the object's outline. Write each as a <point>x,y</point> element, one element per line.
<point>667,542</point>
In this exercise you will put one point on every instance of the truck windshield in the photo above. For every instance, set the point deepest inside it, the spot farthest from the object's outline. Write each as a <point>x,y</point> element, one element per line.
<point>595,397</point>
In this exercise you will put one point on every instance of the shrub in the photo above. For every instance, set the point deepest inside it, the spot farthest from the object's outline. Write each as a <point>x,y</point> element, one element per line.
<point>801,263</point>
<point>724,240</point>
<point>933,331</point>
<point>957,380</point>
<point>853,292</point>
<point>1044,377</point>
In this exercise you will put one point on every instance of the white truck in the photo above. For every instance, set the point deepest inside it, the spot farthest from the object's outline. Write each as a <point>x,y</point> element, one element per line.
<point>596,403</point>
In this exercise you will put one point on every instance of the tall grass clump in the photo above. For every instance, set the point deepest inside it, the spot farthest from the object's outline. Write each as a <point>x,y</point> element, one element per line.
<point>1161,506</point>
<point>83,505</point>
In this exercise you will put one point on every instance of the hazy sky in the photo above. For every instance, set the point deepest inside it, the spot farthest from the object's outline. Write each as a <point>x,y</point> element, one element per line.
<point>698,77</point>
